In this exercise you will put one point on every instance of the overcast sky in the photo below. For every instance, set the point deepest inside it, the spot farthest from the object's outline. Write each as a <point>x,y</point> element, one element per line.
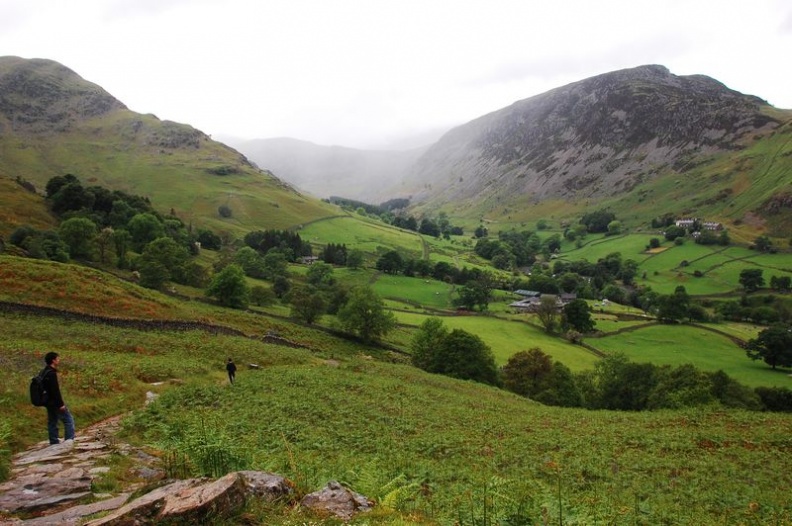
<point>364,73</point>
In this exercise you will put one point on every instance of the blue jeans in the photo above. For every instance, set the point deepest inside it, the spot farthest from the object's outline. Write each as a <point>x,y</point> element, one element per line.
<point>53,415</point>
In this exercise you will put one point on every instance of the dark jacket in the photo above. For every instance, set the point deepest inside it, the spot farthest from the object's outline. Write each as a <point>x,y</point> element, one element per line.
<point>55,400</point>
<point>230,367</point>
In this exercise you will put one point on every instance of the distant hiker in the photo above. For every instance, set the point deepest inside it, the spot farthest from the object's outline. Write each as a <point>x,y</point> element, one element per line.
<point>56,407</point>
<point>231,368</point>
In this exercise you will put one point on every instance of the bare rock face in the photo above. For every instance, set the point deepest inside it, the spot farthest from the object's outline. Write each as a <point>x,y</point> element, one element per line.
<point>45,480</point>
<point>193,500</point>
<point>335,499</point>
<point>594,138</point>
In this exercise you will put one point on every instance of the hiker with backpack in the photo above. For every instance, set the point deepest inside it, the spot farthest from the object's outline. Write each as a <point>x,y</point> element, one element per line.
<point>56,407</point>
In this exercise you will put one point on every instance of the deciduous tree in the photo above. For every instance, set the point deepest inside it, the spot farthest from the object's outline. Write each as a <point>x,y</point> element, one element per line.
<point>773,345</point>
<point>365,315</point>
<point>230,287</point>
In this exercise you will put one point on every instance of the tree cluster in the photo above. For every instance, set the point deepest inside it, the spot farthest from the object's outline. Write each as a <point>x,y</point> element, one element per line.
<point>617,383</point>
<point>113,227</point>
<point>457,353</point>
<point>287,243</point>
<point>598,221</point>
<point>392,262</point>
<point>391,212</point>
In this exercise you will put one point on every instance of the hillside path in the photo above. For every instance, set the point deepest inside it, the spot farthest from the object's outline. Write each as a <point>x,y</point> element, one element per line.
<point>55,484</point>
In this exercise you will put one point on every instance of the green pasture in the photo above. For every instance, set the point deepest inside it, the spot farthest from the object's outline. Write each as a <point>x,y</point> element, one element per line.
<point>184,182</point>
<point>680,344</point>
<point>743,331</point>
<point>610,323</point>
<point>367,235</point>
<point>415,291</point>
<point>506,337</point>
<point>630,246</point>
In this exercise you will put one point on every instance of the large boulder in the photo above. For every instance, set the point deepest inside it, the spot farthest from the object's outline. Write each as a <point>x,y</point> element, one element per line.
<point>335,499</point>
<point>193,500</point>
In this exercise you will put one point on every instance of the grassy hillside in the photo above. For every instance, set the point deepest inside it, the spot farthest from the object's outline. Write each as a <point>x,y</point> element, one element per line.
<point>123,151</point>
<point>22,207</point>
<point>428,449</point>
<point>54,122</point>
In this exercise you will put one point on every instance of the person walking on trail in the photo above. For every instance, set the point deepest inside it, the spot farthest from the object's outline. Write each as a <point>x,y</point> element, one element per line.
<point>231,368</point>
<point>56,407</point>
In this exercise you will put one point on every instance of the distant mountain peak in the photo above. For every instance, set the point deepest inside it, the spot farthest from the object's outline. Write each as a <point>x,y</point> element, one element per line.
<point>40,95</point>
<point>597,137</point>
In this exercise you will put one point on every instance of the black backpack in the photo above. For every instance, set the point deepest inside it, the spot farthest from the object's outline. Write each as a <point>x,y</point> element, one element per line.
<point>38,392</point>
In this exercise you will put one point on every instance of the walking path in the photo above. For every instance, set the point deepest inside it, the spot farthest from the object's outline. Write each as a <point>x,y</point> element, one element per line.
<point>55,484</point>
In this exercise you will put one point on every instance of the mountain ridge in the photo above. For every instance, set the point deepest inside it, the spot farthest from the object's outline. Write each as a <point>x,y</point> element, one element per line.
<point>581,126</point>
<point>53,122</point>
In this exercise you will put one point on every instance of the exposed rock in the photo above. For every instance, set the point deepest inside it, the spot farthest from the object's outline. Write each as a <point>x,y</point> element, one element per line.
<point>335,499</point>
<point>194,499</point>
<point>72,516</point>
<point>595,138</point>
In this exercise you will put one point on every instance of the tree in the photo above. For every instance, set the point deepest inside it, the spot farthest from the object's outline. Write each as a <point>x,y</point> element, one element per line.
<point>476,293</point>
<point>209,240</point>
<point>526,372</point>
<point>307,304</point>
<point>153,274</point>
<point>624,385</point>
<point>274,264</point>
<point>390,262</point>
<point>673,307</point>
<point>365,315</point>
<point>169,254</point>
<point>781,283</point>
<point>561,388</point>
<point>547,312</point>
<point>71,197</point>
<point>673,232</point>
<point>751,279</point>
<point>467,357</point>
<point>577,314</point>
<point>103,241</point>
<point>425,344</point>
<point>598,220</point>
<point>320,275</point>
<point>281,286</point>
<point>773,345</point>
<point>143,229</point>
<point>251,262</point>
<point>224,211</point>
<point>763,243</point>
<point>230,287</point>
<point>262,296</point>
<point>121,241</point>
<point>354,259</point>
<point>614,227</point>
<point>79,234</point>
<point>458,354</point>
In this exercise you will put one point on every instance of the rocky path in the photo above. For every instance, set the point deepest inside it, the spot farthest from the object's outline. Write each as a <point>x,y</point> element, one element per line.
<point>54,484</point>
<point>57,485</point>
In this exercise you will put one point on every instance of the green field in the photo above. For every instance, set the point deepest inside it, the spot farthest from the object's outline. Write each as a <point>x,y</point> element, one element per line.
<point>415,291</point>
<point>663,345</point>
<point>372,237</point>
<point>508,337</point>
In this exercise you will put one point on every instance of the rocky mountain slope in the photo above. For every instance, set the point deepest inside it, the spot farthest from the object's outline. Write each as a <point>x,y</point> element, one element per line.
<point>326,171</point>
<point>593,140</point>
<point>54,122</point>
